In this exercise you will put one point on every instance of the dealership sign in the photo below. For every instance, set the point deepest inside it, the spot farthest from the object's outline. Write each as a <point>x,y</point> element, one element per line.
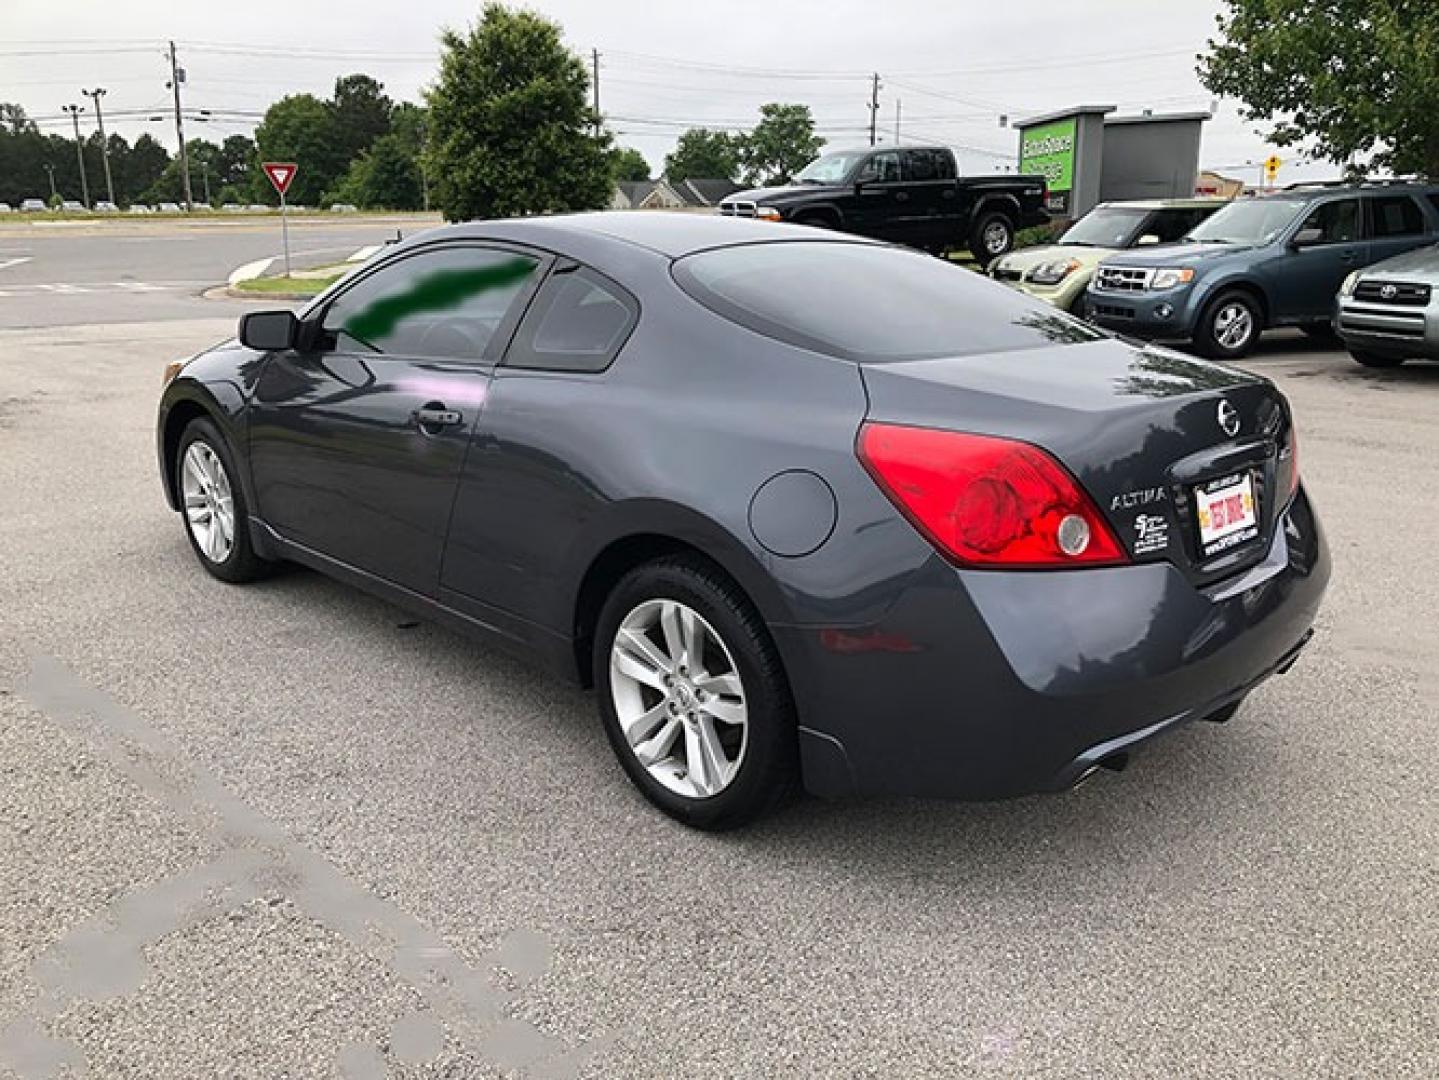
<point>1049,151</point>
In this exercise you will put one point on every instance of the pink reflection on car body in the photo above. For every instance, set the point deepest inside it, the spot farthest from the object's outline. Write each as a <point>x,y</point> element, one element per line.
<point>464,390</point>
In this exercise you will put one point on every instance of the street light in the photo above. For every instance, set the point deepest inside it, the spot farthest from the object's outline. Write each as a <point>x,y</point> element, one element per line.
<point>75,111</point>
<point>95,95</point>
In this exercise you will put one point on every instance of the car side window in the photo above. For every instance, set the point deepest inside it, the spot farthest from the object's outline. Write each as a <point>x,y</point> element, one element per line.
<point>882,168</point>
<point>925,165</point>
<point>1337,222</point>
<point>443,304</point>
<point>578,322</point>
<point>1396,215</point>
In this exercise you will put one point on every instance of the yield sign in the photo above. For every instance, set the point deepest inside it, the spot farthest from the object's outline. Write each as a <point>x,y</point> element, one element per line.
<point>280,173</point>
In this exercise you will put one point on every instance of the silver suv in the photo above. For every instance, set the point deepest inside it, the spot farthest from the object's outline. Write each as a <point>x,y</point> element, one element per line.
<point>1389,312</point>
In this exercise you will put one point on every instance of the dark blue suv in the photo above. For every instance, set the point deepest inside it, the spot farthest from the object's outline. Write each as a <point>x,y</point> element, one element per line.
<point>1258,263</point>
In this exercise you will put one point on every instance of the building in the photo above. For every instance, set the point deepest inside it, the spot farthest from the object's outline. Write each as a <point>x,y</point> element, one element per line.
<point>1088,156</point>
<point>692,194</point>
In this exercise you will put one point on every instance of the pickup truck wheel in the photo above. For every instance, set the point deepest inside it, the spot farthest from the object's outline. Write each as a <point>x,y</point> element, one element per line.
<point>991,237</point>
<point>1375,360</point>
<point>1229,326</point>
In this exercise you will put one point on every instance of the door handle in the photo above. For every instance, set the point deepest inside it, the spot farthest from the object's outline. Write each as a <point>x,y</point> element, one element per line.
<point>433,416</point>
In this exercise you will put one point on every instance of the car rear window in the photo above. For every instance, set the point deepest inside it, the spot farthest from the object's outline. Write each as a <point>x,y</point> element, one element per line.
<point>871,303</point>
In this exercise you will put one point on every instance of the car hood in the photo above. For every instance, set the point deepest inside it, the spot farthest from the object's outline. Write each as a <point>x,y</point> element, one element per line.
<point>1422,263</point>
<point>783,193</point>
<point>1176,254</point>
<point>1028,258</point>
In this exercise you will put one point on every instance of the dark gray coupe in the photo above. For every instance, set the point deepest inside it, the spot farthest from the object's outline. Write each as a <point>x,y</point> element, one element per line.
<point>801,507</point>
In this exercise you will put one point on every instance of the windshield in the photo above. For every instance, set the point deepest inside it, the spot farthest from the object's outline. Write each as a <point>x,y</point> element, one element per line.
<point>1105,227</point>
<point>1256,222</point>
<point>830,169</point>
<point>871,303</point>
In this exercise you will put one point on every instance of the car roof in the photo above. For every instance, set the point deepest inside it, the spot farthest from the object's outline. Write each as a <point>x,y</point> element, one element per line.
<point>1196,203</point>
<point>671,233</point>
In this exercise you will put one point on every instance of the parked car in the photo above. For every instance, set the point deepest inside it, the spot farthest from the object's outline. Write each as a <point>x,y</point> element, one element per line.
<point>762,592</point>
<point>1389,313</point>
<point>32,206</point>
<point>140,208</point>
<point>231,208</point>
<point>1059,273</point>
<point>167,208</point>
<point>912,195</point>
<point>343,208</point>
<point>6,208</point>
<point>1260,263</point>
<point>72,206</point>
<point>104,206</point>
<point>258,208</point>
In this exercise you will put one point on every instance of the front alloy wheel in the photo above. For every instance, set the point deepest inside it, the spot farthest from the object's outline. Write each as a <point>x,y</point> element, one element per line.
<point>209,502</point>
<point>679,698</point>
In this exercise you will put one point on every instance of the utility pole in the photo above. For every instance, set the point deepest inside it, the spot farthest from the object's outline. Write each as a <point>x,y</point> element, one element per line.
<point>177,76</point>
<point>50,169</point>
<point>873,107</point>
<point>595,80</point>
<point>896,121</point>
<point>95,95</point>
<point>75,111</point>
<point>205,174</point>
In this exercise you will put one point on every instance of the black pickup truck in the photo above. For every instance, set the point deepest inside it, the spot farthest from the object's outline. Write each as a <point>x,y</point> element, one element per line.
<point>910,195</point>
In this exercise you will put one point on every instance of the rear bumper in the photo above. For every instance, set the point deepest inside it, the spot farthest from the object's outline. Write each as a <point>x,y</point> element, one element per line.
<point>987,685</point>
<point>1391,330</point>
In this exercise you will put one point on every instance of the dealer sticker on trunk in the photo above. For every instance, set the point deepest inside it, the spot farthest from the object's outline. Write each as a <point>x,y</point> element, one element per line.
<point>1227,513</point>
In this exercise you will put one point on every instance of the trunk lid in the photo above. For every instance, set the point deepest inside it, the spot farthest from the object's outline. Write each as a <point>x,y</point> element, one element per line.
<point>1140,428</point>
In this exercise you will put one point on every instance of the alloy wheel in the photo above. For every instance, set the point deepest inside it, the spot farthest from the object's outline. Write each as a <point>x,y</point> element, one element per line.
<point>996,238</point>
<point>209,502</point>
<point>679,698</point>
<point>1233,325</point>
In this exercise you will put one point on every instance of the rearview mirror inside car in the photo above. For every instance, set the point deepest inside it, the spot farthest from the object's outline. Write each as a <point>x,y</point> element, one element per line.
<point>1147,240</point>
<point>1307,237</point>
<point>269,331</point>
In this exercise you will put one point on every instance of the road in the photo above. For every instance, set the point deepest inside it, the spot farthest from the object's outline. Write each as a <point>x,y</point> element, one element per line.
<point>74,273</point>
<point>284,830</point>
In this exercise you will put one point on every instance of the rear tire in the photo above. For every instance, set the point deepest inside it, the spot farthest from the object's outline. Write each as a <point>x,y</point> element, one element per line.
<point>1229,326</point>
<point>1375,360</point>
<point>692,695</point>
<point>212,505</point>
<point>991,238</point>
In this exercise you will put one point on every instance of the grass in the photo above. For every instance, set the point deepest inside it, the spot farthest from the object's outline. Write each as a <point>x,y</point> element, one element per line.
<point>310,285</point>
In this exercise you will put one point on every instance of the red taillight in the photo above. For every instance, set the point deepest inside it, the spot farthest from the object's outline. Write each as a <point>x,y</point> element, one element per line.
<point>987,501</point>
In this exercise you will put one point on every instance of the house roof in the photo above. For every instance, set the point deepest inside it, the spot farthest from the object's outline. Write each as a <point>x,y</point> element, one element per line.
<point>705,191</point>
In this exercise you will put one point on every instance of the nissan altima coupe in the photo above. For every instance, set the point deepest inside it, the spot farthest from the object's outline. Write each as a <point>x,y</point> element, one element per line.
<point>802,509</point>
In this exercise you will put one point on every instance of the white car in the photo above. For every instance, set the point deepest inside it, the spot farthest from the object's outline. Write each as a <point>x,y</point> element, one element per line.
<point>232,208</point>
<point>71,206</point>
<point>167,208</point>
<point>258,208</point>
<point>6,208</point>
<point>140,208</point>
<point>200,206</point>
<point>105,206</point>
<point>343,208</point>
<point>32,206</point>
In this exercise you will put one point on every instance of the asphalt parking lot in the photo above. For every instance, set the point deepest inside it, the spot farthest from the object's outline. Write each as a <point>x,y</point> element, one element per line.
<point>284,830</point>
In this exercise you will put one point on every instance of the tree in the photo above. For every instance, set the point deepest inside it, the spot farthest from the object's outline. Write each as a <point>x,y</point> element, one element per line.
<point>361,113</point>
<point>299,128</point>
<point>384,177</point>
<point>627,163</point>
<point>1342,77</point>
<point>142,168</point>
<point>781,144</point>
<point>509,129</point>
<point>704,154</point>
<point>236,161</point>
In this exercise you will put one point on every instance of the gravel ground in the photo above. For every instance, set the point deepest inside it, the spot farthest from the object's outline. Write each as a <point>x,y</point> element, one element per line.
<point>281,831</point>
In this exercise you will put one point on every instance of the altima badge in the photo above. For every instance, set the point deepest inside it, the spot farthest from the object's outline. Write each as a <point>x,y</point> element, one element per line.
<point>1228,419</point>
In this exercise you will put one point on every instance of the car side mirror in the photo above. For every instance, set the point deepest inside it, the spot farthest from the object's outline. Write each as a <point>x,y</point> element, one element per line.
<point>1147,240</point>
<point>269,331</point>
<point>1307,238</point>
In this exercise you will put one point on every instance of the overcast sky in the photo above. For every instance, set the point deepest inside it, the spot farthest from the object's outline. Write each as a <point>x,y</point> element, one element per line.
<point>953,67</point>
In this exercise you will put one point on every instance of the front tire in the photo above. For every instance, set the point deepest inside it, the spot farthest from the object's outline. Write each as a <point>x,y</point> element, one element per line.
<point>693,696</point>
<point>1376,360</point>
<point>991,237</point>
<point>1229,326</point>
<point>212,504</point>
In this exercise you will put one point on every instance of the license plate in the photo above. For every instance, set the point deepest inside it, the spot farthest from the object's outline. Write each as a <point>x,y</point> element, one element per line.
<point>1228,513</point>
